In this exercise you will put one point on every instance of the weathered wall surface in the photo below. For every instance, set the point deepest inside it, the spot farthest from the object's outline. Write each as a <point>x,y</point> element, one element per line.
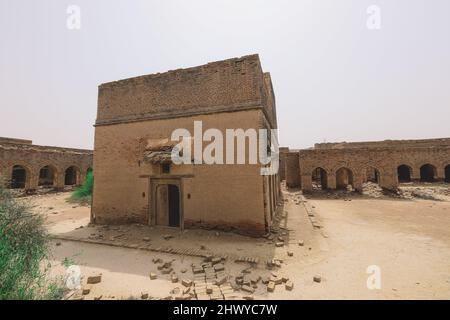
<point>222,196</point>
<point>385,160</point>
<point>442,142</point>
<point>292,170</point>
<point>228,85</point>
<point>282,169</point>
<point>227,94</point>
<point>33,157</point>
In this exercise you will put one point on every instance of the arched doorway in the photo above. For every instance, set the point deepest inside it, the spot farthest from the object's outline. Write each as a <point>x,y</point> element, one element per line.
<point>319,179</point>
<point>372,175</point>
<point>344,178</point>
<point>447,173</point>
<point>428,173</point>
<point>404,173</point>
<point>19,177</point>
<point>72,176</point>
<point>167,205</point>
<point>47,176</point>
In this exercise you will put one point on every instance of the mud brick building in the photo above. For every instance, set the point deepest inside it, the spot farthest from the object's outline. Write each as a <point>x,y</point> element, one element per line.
<point>24,165</point>
<point>135,180</point>
<point>388,163</point>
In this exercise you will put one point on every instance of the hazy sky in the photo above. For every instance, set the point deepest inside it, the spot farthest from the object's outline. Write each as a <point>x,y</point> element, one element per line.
<point>334,79</point>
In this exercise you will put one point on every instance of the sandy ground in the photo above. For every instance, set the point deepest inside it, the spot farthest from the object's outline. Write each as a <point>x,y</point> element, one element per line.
<point>409,240</point>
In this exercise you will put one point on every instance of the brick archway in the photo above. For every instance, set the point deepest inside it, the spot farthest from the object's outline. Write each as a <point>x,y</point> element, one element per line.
<point>48,176</point>
<point>428,173</point>
<point>344,178</point>
<point>72,176</point>
<point>404,173</point>
<point>20,177</point>
<point>319,178</point>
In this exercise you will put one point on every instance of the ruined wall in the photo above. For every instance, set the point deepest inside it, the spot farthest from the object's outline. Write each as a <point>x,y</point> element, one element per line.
<point>292,170</point>
<point>229,197</point>
<point>282,169</point>
<point>434,143</point>
<point>227,94</point>
<point>385,160</point>
<point>228,85</point>
<point>33,157</point>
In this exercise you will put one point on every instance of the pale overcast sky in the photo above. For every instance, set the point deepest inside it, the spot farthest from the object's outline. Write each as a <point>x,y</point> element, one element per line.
<point>334,79</point>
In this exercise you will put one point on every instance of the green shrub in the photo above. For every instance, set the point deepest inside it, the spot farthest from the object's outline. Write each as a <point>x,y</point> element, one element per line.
<point>23,247</point>
<point>83,193</point>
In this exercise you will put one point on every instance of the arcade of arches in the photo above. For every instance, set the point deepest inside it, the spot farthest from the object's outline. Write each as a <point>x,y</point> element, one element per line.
<point>350,165</point>
<point>27,166</point>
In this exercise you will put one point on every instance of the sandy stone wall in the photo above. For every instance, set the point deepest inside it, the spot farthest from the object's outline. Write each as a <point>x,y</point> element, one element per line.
<point>229,197</point>
<point>442,142</point>
<point>228,85</point>
<point>385,160</point>
<point>229,94</point>
<point>292,169</point>
<point>283,155</point>
<point>33,158</point>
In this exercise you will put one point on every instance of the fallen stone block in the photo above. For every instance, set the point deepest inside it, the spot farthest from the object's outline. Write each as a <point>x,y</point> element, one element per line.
<point>174,278</point>
<point>86,290</point>
<point>247,288</point>
<point>279,244</point>
<point>221,280</point>
<point>289,285</point>
<point>153,276</point>
<point>219,267</point>
<point>276,280</point>
<point>271,286</point>
<point>186,282</point>
<point>317,279</point>
<point>166,271</point>
<point>94,279</point>
<point>197,270</point>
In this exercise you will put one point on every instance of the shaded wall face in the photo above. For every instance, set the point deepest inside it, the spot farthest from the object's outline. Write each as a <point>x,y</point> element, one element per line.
<point>211,195</point>
<point>292,170</point>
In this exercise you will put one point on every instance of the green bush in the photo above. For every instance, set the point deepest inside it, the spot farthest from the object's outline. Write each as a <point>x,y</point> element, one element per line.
<point>23,247</point>
<point>83,193</point>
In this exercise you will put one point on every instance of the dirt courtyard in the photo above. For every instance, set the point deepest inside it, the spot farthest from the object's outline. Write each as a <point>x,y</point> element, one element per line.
<point>334,240</point>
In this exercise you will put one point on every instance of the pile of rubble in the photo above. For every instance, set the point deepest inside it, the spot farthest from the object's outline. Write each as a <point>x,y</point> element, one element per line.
<point>372,190</point>
<point>436,192</point>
